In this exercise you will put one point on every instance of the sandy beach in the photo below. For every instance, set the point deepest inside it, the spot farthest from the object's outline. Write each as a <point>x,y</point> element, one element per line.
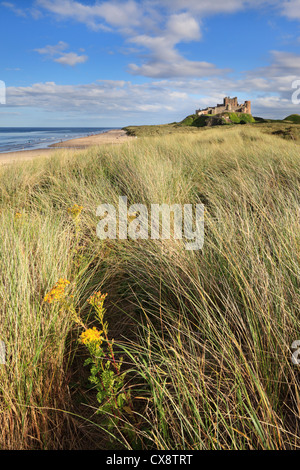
<point>109,137</point>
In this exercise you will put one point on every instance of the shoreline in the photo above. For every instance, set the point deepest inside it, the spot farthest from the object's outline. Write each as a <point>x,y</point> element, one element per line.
<point>116,136</point>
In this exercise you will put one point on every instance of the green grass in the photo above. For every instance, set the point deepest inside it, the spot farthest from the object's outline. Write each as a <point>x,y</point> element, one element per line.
<point>295,118</point>
<point>204,120</point>
<point>283,129</point>
<point>237,118</point>
<point>201,121</point>
<point>188,124</point>
<point>159,130</point>
<point>206,336</point>
<point>189,120</point>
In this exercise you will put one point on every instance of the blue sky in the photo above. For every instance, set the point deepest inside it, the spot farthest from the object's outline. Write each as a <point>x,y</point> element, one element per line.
<point>115,63</point>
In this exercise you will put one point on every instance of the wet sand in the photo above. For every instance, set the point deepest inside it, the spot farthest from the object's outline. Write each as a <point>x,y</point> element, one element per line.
<point>109,137</point>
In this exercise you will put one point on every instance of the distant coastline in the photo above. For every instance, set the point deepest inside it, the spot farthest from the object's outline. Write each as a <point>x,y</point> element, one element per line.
<point>14,139</point>
<point>112,136</point>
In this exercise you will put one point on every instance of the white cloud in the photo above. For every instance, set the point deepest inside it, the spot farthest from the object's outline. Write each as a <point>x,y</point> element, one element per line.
<point>24,12</point>
<point>53,50</point>
<point>118,14</point>
<point>285,63</point>
<point>121,14</point>
<point>157,101</point>
<point>110,96</point>
<point>163,60</point>
<point>71,58</point>
<point>16,10</point>
<point>161,47</point>
<point>291,9</point>
<point>283,66</point>
<point>65,58</point>
<point>183,27</point>
<point>179,68</point>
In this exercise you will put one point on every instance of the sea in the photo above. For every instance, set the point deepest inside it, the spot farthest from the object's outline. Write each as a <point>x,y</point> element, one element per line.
<point>13,139</point>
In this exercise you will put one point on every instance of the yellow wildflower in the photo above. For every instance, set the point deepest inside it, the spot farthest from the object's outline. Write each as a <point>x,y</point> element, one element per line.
<point>97,300</point>
<point>18,215</point>
<point>57,292</point>
<point>75,211</point>
<point>91,336</point>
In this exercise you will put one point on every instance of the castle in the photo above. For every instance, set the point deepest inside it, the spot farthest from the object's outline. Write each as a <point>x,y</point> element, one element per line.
<point>229,104</point>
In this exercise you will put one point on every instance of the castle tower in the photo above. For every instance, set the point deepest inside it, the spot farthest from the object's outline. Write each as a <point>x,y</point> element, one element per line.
<point>248,107</point>
<point>227,103</point>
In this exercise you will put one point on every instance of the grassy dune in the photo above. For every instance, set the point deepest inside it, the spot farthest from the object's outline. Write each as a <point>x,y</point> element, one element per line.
<point>206,335</point>
<point>285,129</point>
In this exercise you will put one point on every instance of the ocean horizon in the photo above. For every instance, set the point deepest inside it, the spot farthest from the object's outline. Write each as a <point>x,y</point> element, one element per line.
<point>14,139</point>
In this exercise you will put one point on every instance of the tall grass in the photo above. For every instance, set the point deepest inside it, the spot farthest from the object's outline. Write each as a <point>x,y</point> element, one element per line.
<point>206,335</point>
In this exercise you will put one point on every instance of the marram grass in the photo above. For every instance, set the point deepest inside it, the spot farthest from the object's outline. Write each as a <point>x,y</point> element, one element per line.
<point>205,336</point>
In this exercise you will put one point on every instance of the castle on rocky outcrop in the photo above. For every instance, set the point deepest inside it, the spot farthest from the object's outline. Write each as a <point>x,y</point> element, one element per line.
<point>229,104</point>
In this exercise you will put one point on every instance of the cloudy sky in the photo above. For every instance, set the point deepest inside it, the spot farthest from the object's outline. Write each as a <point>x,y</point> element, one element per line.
<point>115,63</point>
